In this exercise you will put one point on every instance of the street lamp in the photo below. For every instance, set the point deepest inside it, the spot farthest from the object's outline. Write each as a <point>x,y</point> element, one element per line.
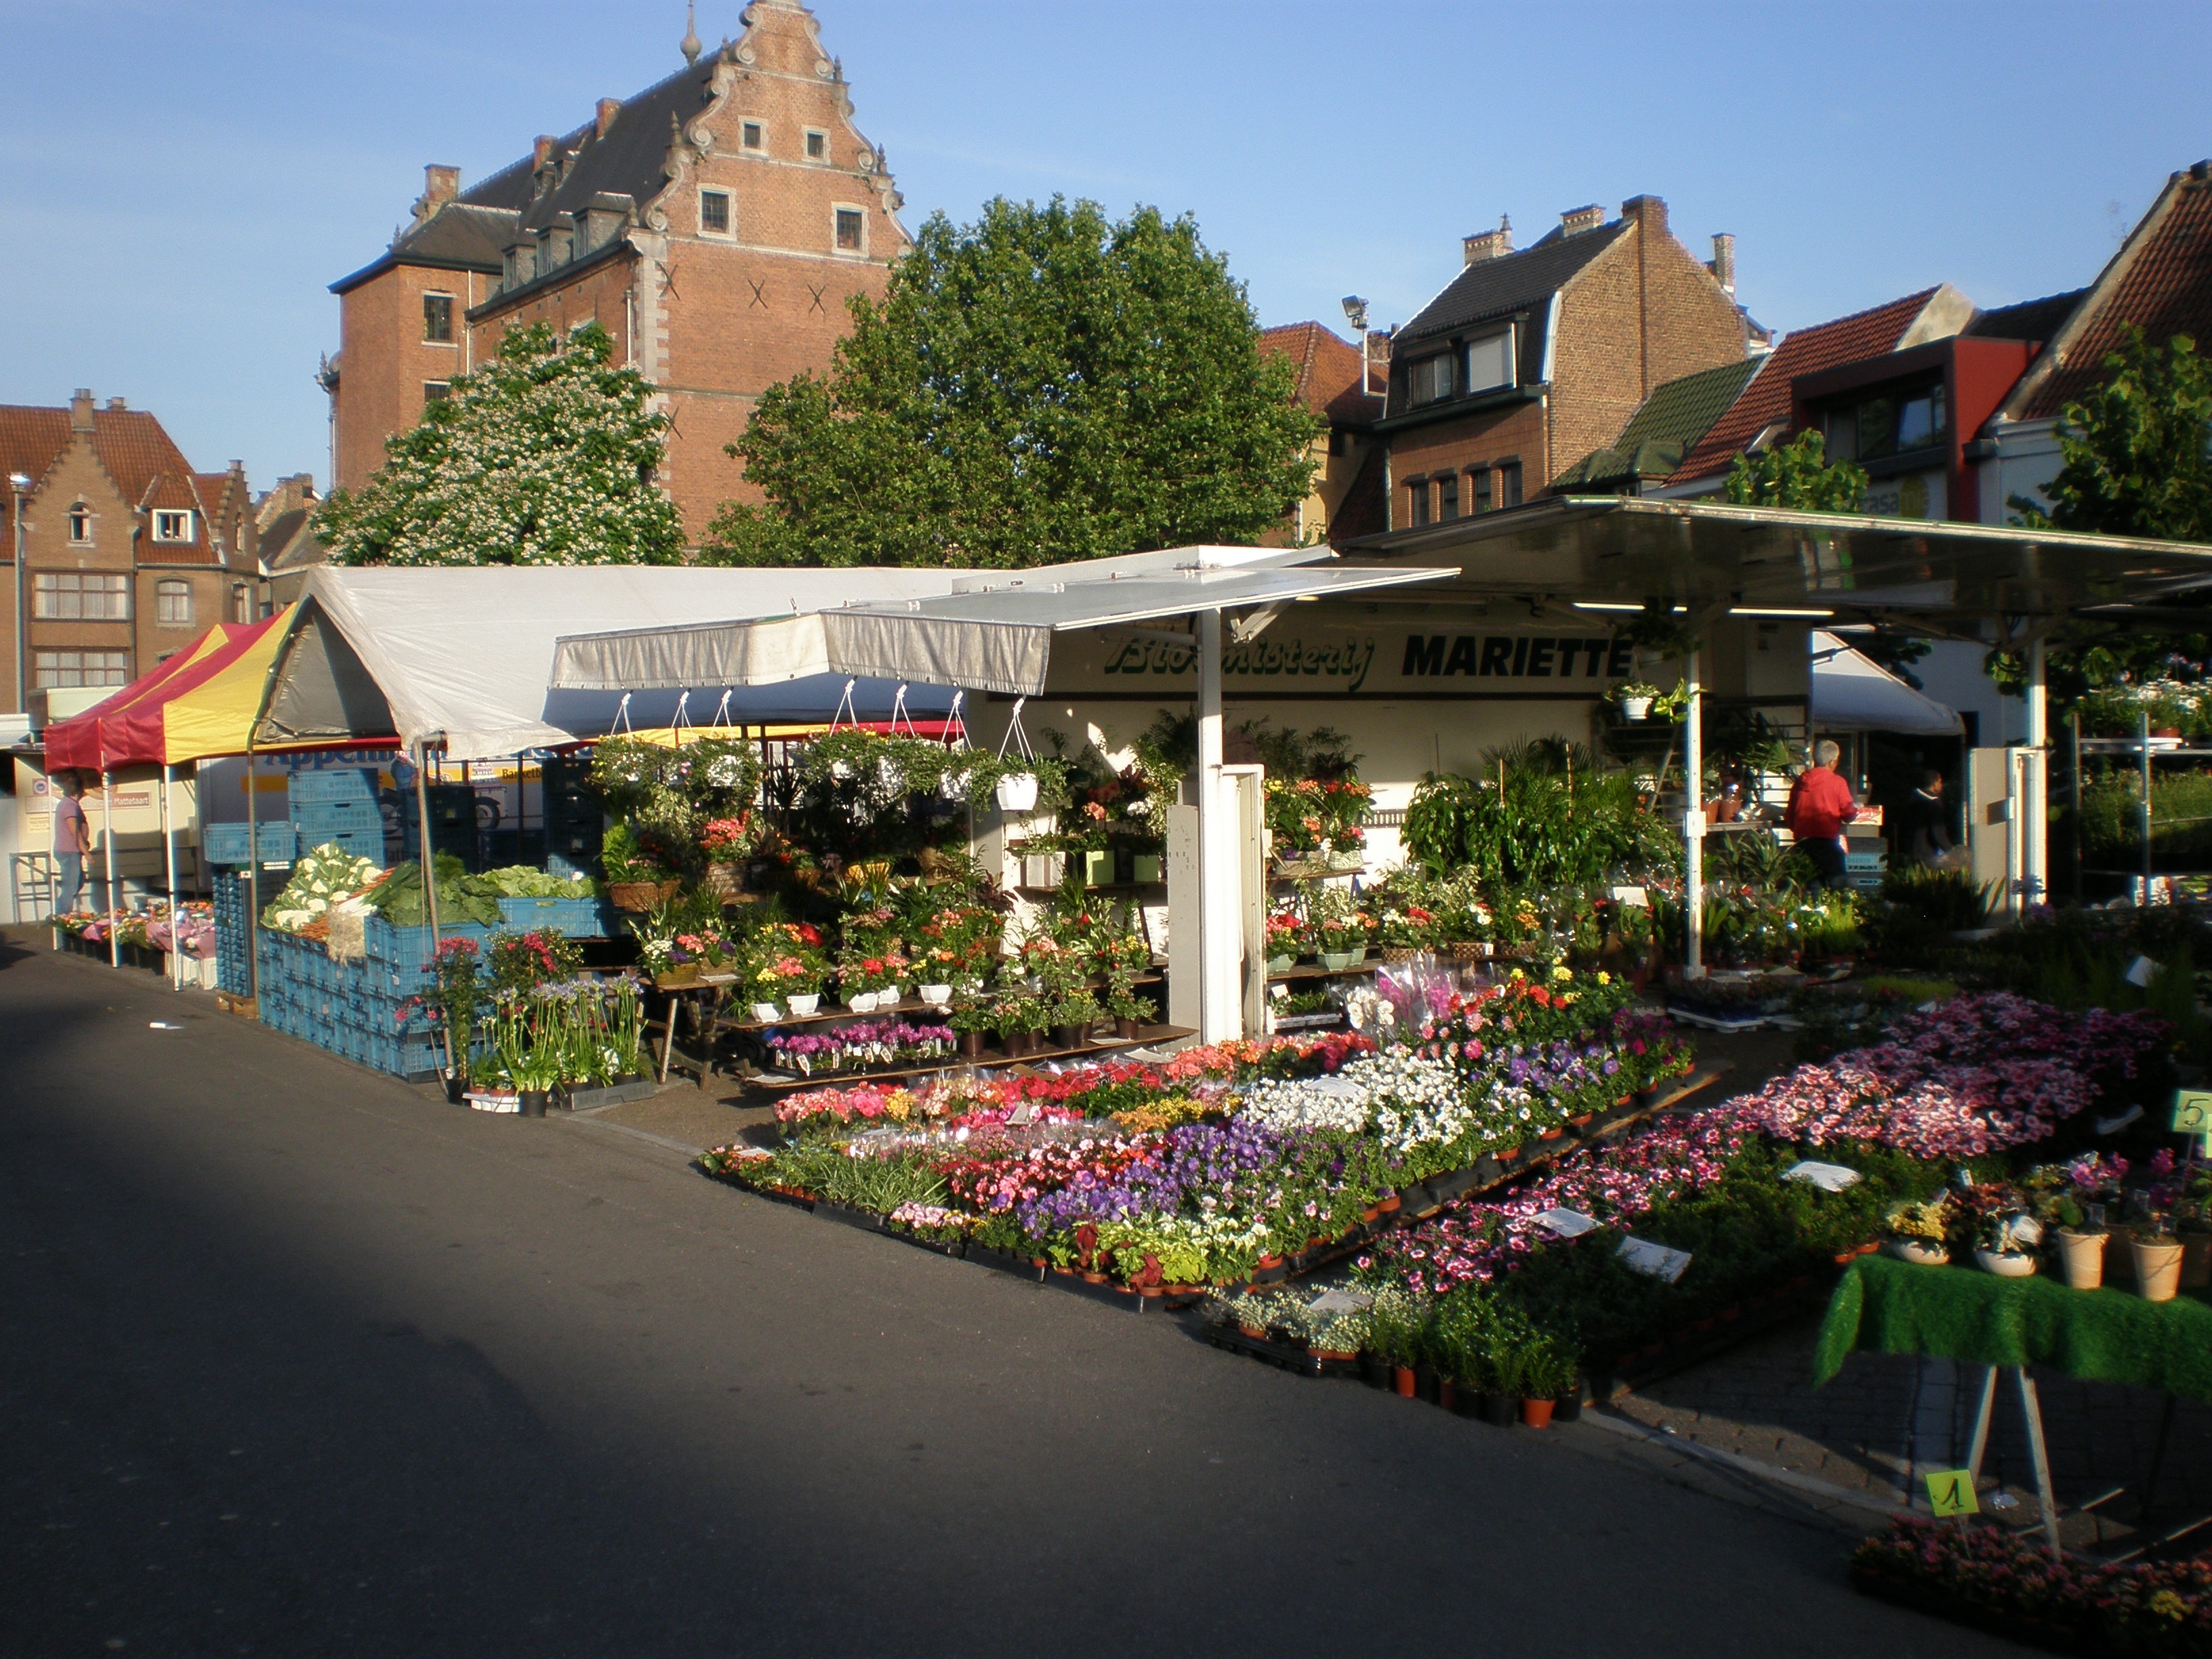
<point>1355,313</point>
<point>20,484</point>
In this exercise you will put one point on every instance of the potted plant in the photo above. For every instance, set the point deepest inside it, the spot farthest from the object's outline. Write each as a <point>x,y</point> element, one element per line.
<point>637,879</point>
<point>2157,1255</point>
<point>1286,933</point>
<point>1071,1015</point>
<point>2005,1242</point>
<point>1918,1233</point>
<point>726,843</point>
<point>1544,1376</point>
<point>456,972</point>
<point>2078,1241</point>
<point>972,1020</point>
<point>1019,1017</point>
<point>1635,698</point>
<point>1341,929</point>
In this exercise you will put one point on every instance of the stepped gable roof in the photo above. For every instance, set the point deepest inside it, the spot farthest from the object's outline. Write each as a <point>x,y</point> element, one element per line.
<point>2160,281</point>
<point>1674,417</point>
<point>1329,371</point>
<point>133,448</point>
<point>1765,402</point>
<point>2031,320</point>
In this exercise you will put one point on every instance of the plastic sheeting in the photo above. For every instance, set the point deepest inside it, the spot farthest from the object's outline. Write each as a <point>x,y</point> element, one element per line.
<point>1851,692</point>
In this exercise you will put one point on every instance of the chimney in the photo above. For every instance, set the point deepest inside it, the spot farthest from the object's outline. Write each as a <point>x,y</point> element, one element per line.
<point>608,108</point>
<point>1490,244</point>
<point>440,186</point>
<point>1649,211</point>
<point>81,409</point>
<point>117,404</point>
<point>1575,221</point>
<point>541,151</point>
<point>1723,265</point>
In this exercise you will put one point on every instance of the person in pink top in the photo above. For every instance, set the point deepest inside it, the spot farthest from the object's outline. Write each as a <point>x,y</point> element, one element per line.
<point>1821,805</point>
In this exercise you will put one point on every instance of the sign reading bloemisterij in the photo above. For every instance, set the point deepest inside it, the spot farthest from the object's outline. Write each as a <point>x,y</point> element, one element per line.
<point>1332,662</point>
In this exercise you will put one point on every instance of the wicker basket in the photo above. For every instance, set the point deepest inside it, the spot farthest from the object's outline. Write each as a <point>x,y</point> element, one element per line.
<point>726,881</point>
<point>673,978</point>
<point>637,897</point>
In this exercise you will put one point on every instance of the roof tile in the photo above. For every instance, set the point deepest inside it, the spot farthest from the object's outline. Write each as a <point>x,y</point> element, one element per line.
<point>1329,371</point>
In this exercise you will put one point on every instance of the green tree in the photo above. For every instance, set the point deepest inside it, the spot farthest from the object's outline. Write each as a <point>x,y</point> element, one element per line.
<point>2137,450</point>
<point>1797,475</point>
<point>546,455</point>
<point>1039,386</point>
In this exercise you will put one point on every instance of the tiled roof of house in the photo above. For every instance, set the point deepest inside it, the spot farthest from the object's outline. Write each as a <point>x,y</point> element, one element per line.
<point>133,447</point>
<point>1329,371</point>
<point>2031,320</point>
<point>1513,282</point>
<point>1364,510</point>
<point>1765,398</point>
<point>2160,281</point>
<point>1669,421</point>
<point>288,542</point>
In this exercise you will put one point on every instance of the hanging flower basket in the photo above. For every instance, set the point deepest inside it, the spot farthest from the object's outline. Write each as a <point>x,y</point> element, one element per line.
<point>1635,708</point>
<point>1018,792</point>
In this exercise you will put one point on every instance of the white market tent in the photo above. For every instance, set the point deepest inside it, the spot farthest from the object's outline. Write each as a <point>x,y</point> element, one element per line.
<point>462,659</point>
<point>1852,692</point>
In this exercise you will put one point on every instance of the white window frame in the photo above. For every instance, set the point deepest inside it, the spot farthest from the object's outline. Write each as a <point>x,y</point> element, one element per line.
<point>173,588</point>
<point>182,517</point>
<point>859,212</point>
<point>47,590</point>
<point>49,668</point>
<point>80,509</point>
<point>729,231</point>
<point>1504,341</point>
<point>808,135</point>
<point>744,149</point>
<point>453,315</point>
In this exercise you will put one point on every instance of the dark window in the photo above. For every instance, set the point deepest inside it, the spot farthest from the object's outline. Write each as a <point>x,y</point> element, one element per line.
<point>750,136</point>
<point>1432,379</point>
<point>714,211</point>
<point>435,391</point>
<point>849,230</point>
<point>1447,496</point>
<point>1416,502</point>
<point>1478,489</point>
<point>438,318</point>
<point>818,146</point>
<point>1508,484</point>
<point>1890,423</point>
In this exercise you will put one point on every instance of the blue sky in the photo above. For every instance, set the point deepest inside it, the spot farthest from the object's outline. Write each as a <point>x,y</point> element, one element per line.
<point>180,183</point>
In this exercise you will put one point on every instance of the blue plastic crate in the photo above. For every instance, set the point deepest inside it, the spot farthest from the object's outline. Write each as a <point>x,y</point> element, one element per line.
<point>233,843</point>
<point>317,818</point>
<point>338,783</point>
<point>578,918</point>
<point>355,843</point>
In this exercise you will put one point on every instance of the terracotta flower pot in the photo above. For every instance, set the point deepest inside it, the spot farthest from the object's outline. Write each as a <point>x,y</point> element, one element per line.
<point>1256,1333</point>
<point>1404,1383</point>
<point>1093,1277</point>
<point>1389,1204</point>
<point>2158,1268</point>
<point>2081,1258</point>
<point>1536,1413</point>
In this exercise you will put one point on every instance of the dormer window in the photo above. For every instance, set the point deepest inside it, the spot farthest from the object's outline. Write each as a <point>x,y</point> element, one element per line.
<point>173,524</point>
<point>80,525</point>
<point>1433,378</point>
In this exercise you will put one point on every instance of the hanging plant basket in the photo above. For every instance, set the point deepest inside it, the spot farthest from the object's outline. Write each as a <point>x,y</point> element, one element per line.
<point>1018,792</point>
<point>1635,708</point>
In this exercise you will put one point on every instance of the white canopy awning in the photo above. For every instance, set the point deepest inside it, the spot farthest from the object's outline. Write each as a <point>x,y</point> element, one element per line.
<point>993,634</point>
<point>1851,692</point>
<point>465,655</point>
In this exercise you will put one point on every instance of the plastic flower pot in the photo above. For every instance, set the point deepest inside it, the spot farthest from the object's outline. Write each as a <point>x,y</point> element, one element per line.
<point>1069,1037</point>
<point>1337,961</point>
<point>861,1002</point>
<point>805,1005</point>
<point>1256,1333</point>
<point>530,1103</point>
<point>1635,708</point>
<point>1536,1413</point>
<point>1388,1204</point>
<point>1127,1029</point>
<point>971,1044</point>
<point>2081,1258</point>
<point>1281,964</point>
<point>2195,1258</point>
<point>1018,792</point>
<point>937,995</point>
<point>2013,1264</point>
<point>2158,1268</point>
<point>1500,1410</point>
<point>1919,1251</point>
<point>457,1086</point>
<point>1405,1382</point>
<point>767,1012</point>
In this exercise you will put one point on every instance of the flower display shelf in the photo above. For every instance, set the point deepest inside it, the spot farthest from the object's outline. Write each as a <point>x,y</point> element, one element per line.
<point>1315,970</point>
<point>905,1006</point>
<point>1312,870</point>
<point>780,1083</point>
<point>1286,1357</point>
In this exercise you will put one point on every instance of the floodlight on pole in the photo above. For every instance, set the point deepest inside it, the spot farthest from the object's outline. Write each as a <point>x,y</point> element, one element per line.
<point>19,485</point>
<point>1355,313</point>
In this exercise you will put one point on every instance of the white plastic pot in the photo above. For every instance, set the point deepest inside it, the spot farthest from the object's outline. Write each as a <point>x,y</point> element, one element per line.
<point>861,1002</point>
<point>1018,792</point>
<point>806,1005</point>
<point>953,786</point>
<point>767,1012</point>
<point>937,995</point>
<point>2006,1264</point>
<point>1635,708</point>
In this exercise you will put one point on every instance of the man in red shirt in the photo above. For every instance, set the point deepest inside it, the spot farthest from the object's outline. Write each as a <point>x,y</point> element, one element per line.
<point>1821,805</point>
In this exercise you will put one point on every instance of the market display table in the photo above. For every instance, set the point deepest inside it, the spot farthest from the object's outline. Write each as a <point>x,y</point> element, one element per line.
<point>1886,1306</point>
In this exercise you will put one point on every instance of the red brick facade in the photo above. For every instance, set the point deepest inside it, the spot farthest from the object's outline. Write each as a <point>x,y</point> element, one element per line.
<point>614,223</point>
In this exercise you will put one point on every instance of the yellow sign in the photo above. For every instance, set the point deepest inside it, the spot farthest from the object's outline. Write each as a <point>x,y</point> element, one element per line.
<point>2192,1112</point>
<point>1951,1491</point>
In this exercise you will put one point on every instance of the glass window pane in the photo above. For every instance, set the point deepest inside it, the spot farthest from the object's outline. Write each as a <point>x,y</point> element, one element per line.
<point>1490,363</point>
<point>1915,423</point>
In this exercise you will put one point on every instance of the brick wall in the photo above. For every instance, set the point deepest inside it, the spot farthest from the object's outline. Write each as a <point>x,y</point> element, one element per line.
<point>385,362</point>
<point>1477,445</point>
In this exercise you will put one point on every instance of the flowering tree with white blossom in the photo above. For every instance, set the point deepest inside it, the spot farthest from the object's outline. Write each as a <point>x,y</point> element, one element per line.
<point>545,456</point>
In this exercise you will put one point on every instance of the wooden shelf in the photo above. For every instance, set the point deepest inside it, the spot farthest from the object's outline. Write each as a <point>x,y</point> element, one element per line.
<point>1316,971</point>
<point>842,1080</point>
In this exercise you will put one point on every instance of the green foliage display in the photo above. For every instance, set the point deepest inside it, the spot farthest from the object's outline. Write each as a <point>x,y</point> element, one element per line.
<point>2136,460</point>
<point>545,456</point>
<point>2180,822</point>
<point>1797,475</point>
<point>1535,829</point>
<point>1041,386</point>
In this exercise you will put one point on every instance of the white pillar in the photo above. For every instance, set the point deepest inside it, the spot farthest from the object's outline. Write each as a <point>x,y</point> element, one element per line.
<point>107,837</point>
<point>1220,1004</point>
<point>1694,827</point>
<point>2035,827</point>
<point>169,856</point>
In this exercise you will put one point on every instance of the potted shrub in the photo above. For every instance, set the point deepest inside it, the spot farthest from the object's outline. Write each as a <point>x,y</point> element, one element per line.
<point>1919,1233</point>
<point>2077,1242</point>
<point>456,972</point>
<point>2157,1255</point>
<point>1635,698</point>
<point>726,842</point>
<point>1287,933</point>
<point>1020,1018</point>
<point>2004,1245</point>
<point>1544,1376</point>
<point>1341,929</point>
<point>972,1020</point>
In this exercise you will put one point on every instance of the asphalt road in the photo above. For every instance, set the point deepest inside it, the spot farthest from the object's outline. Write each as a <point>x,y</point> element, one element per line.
<point>294,1361</point>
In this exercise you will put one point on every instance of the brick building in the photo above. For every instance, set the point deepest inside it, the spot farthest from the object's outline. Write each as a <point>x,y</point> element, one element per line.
<point>1346,498</point>
<point>714,225</point>
<point>128,552</point>
<point>1529,360</point>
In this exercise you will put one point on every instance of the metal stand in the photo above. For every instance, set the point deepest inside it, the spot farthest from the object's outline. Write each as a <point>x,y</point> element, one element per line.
<point>2031,1408</point>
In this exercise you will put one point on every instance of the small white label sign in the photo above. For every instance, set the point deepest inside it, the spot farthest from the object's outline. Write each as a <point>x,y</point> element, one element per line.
<point>1635,898</point>
<point>1567,1224</point>
<point>1828,1177</point>
<point>1341,1301</point>
<point>1656,1260</point>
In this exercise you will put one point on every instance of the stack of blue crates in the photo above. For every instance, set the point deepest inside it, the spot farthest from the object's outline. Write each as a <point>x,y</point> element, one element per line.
<point>236,843</point>
<point>338,807</point>
<point>359,1011</point>
<point>234,934</point>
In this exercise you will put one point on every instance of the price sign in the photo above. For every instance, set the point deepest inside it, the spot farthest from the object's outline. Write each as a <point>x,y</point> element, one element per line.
<point>1633,898</point>
<point>1828,1177</point>
<point>1951,1491</point>
<point>1567,1224</point>
<point>2192,1112</point>
<point>1657,1260</point>
<point>1022,1116</point>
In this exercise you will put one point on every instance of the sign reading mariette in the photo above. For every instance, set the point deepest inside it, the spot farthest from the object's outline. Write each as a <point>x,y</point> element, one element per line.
<point>1326,662</point>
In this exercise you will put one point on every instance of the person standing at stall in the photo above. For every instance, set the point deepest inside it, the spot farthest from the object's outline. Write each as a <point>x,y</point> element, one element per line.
<point>1821,805</point>
<point>1924,830</point>
<point>72,841</point>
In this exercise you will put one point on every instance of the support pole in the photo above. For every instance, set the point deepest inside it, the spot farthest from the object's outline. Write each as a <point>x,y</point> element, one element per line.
<point>2142,738</point>
<point>253,877</point>
<point>107,839</point>
<point>169,852</point>
<point>1220,1005</point>
<point>453,1062</point>
<point>2035,830</point>
<point>2032,1407</point>
<point>1694,827</point>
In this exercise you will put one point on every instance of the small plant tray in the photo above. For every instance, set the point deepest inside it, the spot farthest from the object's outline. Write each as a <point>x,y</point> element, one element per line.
<point>1298,1360</point>
<point>615,1094</point>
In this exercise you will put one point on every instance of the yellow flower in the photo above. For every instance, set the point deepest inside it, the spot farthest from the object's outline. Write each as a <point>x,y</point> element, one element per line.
<point>1562,973</point>
<point>1604,978</point>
